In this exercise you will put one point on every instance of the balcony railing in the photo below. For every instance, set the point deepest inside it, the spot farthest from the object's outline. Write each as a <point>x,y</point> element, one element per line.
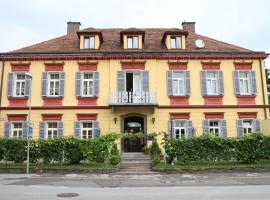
<point>133,98</point>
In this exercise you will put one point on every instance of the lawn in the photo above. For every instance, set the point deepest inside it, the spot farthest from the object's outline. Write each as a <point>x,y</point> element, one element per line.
<point>213,165</point>
<point>58,166</point>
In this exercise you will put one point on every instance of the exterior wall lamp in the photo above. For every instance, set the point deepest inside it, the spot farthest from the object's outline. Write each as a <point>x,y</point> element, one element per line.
<point>153,120</point>
<point>115,120</point>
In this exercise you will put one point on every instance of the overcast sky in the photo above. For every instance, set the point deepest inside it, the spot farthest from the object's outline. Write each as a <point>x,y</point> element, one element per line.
<point>242,22</point>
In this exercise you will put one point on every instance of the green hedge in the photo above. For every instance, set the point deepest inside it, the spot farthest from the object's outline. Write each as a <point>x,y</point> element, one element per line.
<point>65,149</point>
<point>245,149</point>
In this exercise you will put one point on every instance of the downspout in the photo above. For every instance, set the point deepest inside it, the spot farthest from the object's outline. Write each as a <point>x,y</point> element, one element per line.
<point>263,92</point>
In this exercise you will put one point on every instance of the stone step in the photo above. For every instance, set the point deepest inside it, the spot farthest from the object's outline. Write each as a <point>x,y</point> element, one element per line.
<point>133,155</point>
<point>136,162</point>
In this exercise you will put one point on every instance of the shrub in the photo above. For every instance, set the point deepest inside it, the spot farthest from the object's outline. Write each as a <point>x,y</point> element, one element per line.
<point>65,149</point>
<point>98,149</point>
<point>14,149</point>
<point>51,150</point>
<point>246,149</point>
<point>115,155</point>
<point>115,159</point>
<point>72,152</point>
<point>154,148</point>
<point>156,159</point>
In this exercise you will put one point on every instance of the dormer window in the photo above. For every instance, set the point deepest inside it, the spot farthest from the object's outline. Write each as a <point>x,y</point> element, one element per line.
<point>175,39</point>
<point>132,38</point>
<point>90,39</point>
<point>132,42</point>
<point>89,42</point>
<point>176,42</point>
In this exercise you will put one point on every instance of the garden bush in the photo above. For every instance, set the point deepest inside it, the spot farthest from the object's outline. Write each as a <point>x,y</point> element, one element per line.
<point>155,149</point>
<point>115,155</point>
<point>247,149</point>
<point>72,152</point>
<point>65,149</point>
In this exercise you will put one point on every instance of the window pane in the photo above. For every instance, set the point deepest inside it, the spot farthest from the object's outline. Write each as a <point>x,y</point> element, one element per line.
<point>92,42</point>
<point>88,76</point>
<point>178,42</point>
<point>135,42</point>
<point>129,40</point>
<point>173,45</point>
<point>86,43</point>
<point>175,87</point>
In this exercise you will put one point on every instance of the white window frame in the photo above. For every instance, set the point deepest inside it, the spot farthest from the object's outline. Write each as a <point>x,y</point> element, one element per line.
<point>180,128</point>
<point>16,129</point>
<point>87,129</point>
<point>215,127</point>
<point>21,83</point>
<point>54,81</point>
<point>245,83</point>
<point>89,42</point>
<point>134,44</point>
<point>213,82</point>
<point>176,42</point>
<point>245,127</point>
<point>83,80</point>
<point>51,129</point>
<point>178,80</point>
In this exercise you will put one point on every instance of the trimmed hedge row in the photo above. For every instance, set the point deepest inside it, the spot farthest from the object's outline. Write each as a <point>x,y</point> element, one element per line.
<point>65,149</point>
<point>245,149</point>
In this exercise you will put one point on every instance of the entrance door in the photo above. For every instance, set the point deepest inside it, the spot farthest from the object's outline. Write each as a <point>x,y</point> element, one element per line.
<point>137,86</point>
<point>132,125</point>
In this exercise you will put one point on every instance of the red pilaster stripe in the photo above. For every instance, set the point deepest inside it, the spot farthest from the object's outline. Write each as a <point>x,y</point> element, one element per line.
<point>214,115</point>
<point>133,65</point>
<point>54,66</point>
<point>175,115</point>
<point>247,115</point>
<point>208,65</point>
<point>17,117</point>
<point>20,67</point>
<point>51,117</point>
<point>86,116</point>
<point>84,66</point>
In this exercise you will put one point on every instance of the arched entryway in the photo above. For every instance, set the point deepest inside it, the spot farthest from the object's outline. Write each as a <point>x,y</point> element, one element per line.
<point>133,123</point>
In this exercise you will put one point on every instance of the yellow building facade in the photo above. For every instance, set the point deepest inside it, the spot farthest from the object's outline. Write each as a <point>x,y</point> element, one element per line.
<point>98,81</point>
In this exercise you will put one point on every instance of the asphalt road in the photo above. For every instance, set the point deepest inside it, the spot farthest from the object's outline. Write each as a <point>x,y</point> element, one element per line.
<point>210,186</point>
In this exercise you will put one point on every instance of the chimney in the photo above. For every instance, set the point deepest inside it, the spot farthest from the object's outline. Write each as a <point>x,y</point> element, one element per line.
<point>73,27</point>
<point>188,26</point>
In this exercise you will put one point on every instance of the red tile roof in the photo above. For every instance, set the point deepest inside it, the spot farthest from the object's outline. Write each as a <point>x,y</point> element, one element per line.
<point>111,42</point>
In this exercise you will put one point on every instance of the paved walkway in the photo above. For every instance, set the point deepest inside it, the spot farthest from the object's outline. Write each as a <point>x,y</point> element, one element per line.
<point>146,180</point>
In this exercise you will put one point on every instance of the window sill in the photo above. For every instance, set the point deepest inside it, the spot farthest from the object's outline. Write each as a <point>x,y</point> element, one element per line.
<point>18,101</point>
<point>52,101</point>
<point>179,100</point>
<point>87,101</point>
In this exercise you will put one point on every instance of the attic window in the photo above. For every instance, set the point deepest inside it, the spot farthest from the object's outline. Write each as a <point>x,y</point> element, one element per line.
<point>176,42</point>
<point>89,42</point>
<point>132,42</point>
